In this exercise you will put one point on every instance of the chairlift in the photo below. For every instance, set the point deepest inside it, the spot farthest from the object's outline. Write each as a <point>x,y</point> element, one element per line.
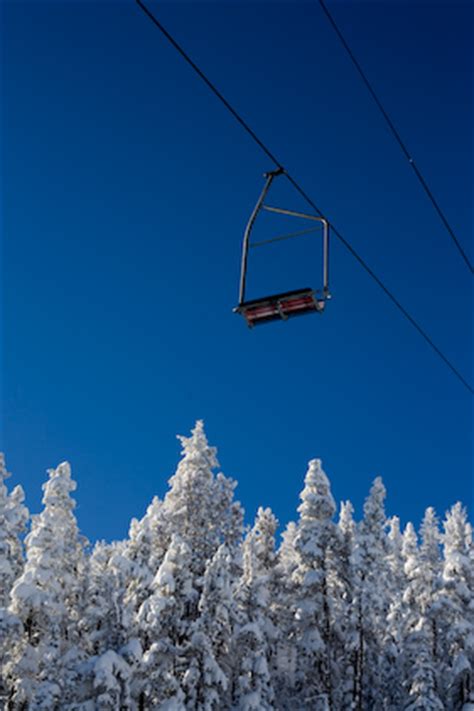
<point>288,304</point>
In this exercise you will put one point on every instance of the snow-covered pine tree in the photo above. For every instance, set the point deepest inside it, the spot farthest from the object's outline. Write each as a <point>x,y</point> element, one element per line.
<point>48,599</point>
<point>206,663</point>
<point>102,626</point>
<point>145,548</point>
<point>199,506</point>
<point>371,599</point>
<point>166,630</point>
<point>283,656</point>
<point>430,571</point>
<point>311,604</point>
<point>455,605</point>
<point>418,623</point>
<point>344,607</point>
<point>256,631</point>
<point>286,556</point>
<point>13,518</point>
<point>418,670</point>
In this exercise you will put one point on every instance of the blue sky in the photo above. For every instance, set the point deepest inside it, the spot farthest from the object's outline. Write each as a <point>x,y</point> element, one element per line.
<point>126,187</point>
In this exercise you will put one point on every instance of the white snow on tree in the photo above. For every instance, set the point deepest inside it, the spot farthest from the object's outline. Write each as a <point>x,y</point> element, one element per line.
<point>316,534</point>
<point>256,634</point>
<point>166,627</point>
<point>200,506</point>
<point>455,604</point>
<point>371,599</point>
<point>13,519</point>
<point>48,599</point>
<point>186,614</point>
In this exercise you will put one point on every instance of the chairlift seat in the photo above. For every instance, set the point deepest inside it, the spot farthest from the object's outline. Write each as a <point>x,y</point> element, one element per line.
<point>280,306</point>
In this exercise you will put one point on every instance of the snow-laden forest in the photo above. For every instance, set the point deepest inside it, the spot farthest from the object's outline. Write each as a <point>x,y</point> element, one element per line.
<point>194,611</point>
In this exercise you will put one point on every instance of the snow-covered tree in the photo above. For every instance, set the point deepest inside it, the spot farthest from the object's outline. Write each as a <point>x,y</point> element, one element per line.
<point>206,660</point>
<point>283,657</point>
<point>371,599</point>
<point>199,505</point>
<point>256,632</point>
<point>102,626</point>
<point>13,519</point>
<point>48,599</point>
<point>166,629</point>
<point>345,611</point>
<point>455,604</point>
<point>145,549</point>
<point>316,535</point>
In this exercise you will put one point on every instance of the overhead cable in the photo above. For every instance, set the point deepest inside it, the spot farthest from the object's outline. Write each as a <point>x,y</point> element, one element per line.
<point>398,138</point>
<point>306,197</point>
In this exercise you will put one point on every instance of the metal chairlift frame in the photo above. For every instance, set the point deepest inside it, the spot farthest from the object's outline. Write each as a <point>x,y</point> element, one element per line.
<point>247,245</point>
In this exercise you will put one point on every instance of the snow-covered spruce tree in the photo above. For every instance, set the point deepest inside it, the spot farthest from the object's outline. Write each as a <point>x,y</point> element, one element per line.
<point>200,507</point>
<point>417,628</point>
<point>144,549</point>
<point>48,599</point>
<point>207,664</point>
<point>13,519</point>
<point>283,651</point>
<point>371,600</point>
<point>198,512</point>
<point>102,626</point>
<point>455,608</point>
<point>315,674</point>
<point>166,624</point>
<point>430,571</point>
<point>256,633</point>
<point>418,671</point>
<point>344,609</point>
<point>119,581</point>
<point>392,642</point>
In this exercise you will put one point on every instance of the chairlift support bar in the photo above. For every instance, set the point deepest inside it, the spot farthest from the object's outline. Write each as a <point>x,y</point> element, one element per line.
<point>281,238</point>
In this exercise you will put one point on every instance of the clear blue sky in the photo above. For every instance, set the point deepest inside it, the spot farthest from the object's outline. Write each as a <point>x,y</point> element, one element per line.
<point>125,190</point>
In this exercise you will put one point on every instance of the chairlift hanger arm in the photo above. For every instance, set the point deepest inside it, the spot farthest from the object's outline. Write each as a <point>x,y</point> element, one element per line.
<point>269,177</point>
<point>245,248</point>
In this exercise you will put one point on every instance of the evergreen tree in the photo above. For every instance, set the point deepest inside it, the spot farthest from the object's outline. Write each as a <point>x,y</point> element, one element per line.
<point>256,632</point>
<point>206,662</point>
<point>199,505</point>
<point>102,626</point>
<point>144,551</point>
<point>48,599</point>
<point>456,606</point>
<point>166,629</point>
<point>283,653</point>
<point>312,605</point>
<point>344,607</point>
<point>13,518</point>
<point>371,599</point>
